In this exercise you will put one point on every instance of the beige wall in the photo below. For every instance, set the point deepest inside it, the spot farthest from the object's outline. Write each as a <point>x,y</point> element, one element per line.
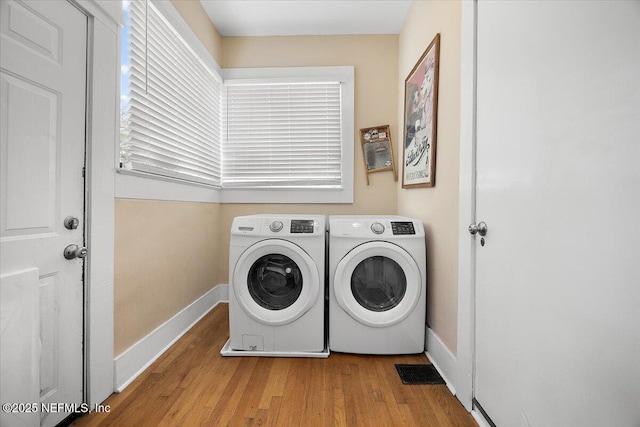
<point>375,59</point>
<point>195,15</point>
<point>165,259</point>
<point>437,206</point>
<point>165,252</point>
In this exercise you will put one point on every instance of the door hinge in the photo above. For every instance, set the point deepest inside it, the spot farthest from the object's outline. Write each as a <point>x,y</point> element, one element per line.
<point>83,169</point>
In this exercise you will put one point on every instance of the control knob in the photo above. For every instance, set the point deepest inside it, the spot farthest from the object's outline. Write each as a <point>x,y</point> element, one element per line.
<point>276,226</point>
<point>377,228</point>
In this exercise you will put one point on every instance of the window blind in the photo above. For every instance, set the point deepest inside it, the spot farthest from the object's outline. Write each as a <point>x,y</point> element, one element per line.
<point>172,123</point>
<point>282,135</point>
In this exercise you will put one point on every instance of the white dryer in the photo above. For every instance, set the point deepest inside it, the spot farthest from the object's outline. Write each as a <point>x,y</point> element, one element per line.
<point>277,286</point>
<point>377,285</point>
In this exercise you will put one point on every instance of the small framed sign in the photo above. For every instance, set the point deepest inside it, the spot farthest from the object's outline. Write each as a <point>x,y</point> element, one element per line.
<point>378,150</point>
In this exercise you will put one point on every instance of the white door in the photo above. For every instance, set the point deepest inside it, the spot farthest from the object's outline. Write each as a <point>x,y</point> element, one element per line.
<point>42,135</point>
<point>558,185</point>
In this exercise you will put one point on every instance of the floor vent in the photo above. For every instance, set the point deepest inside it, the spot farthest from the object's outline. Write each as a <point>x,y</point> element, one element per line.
<point>419,374</point>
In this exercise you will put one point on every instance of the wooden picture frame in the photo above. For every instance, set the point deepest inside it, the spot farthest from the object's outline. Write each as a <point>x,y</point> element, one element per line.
<point>377,150</point>
<point>420,119</point>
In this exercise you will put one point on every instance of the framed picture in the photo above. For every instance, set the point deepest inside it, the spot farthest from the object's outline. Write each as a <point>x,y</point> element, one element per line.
<point>420,119</point>
<point>377,150</point>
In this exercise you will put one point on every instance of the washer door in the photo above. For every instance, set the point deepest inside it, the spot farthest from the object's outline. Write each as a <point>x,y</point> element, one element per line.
<point>276,282</point>
<point>378,284</point>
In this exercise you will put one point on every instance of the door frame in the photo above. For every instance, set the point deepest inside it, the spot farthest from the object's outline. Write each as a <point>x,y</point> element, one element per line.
<point>102,106</point>
<point>465,359</point>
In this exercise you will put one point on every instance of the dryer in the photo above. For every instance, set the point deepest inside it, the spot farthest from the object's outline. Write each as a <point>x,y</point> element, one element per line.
<point>377,285</point>
<point>277,287</point>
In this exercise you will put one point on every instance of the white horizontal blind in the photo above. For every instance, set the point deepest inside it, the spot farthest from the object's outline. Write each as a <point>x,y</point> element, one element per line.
<point>282,135</point>
<point>172,118</point>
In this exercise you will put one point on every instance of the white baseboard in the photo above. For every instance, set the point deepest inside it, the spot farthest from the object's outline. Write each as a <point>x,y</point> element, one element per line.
<point>224,293</point>
<point>479,418</point>
<point>138,357</point>
<point>441,358</point>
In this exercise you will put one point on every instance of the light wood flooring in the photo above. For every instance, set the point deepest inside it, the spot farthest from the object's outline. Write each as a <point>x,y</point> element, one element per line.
<point>192,385</point>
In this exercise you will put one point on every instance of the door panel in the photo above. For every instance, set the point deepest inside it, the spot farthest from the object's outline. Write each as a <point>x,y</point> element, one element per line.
<point>30,157</point>
<point>558,184</point>
<point>43,101</point>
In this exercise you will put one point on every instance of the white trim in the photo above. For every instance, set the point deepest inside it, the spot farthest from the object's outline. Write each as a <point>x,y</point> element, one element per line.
<point>442,359</point>
<point>466,244</point>
<point>479,418</point>
<point>133,361</point>
<point>135,185</point>
<point>288,74</point>
<point>103,70</point>
<point>287,195</point>
<point>108,12</point>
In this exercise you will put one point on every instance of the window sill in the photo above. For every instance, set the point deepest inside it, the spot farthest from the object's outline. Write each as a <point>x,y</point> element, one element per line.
<point>136,185</point>
<point>287,195</point>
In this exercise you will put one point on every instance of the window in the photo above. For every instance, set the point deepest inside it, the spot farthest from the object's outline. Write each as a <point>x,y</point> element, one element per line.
<point>288,135</point>
<point>170,112</point>
<point>282,135</point>
<point>272,135</point>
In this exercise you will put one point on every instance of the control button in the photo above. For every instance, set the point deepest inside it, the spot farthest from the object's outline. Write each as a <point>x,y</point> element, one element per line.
<point>276,226</point>
<point>377,228</point>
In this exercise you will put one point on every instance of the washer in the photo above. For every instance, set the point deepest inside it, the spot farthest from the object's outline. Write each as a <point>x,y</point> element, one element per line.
<point>377,285</point>
<point>277,286</point>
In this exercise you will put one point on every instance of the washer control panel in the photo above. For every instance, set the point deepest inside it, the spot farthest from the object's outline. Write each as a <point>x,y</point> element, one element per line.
<point>302,226</point>
<point>402,228</point>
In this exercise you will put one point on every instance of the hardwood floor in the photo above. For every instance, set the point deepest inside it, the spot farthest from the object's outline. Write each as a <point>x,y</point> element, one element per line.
<point>192,385</point>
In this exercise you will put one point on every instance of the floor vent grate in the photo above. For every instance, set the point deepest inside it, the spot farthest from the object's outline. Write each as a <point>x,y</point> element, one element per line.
<point>419,374</point>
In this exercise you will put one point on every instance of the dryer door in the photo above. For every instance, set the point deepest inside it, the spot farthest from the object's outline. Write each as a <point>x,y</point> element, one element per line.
<point>276,282</point>
<point>378,284</point>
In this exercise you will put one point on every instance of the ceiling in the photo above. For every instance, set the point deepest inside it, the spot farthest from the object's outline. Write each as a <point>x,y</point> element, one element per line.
<point>306,17</point>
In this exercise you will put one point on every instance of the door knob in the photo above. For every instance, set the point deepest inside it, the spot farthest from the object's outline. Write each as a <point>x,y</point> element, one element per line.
<point>71,223</point>
<point>480,228</point>
<point>74,251</point>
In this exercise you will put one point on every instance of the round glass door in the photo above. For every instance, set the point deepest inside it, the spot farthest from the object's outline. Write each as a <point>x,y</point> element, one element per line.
<point>275,282</point>
<point>378,284</point>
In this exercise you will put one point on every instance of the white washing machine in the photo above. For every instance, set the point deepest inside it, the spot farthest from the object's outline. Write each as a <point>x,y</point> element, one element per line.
<point>276,284</point>
<point>377,285</point>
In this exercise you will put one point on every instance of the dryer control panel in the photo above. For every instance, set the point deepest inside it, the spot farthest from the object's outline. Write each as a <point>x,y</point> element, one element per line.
<point>375,226</point>
<point>402,228</point>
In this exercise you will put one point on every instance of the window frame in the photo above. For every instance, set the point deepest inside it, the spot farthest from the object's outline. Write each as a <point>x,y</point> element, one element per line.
<point>132,184</point>
<point>343,194</point>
